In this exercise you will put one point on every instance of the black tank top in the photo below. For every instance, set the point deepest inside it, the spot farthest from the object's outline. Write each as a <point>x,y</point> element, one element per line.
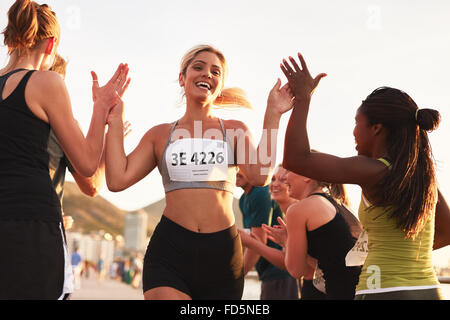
<point>26,189</point>
<point>329,244</point>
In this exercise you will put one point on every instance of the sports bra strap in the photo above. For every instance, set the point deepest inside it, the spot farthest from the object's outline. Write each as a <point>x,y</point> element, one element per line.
<point>171,132</point>
<point>223,130</point>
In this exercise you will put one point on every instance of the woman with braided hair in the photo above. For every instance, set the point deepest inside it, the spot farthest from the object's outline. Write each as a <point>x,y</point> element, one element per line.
<point>395,169</point>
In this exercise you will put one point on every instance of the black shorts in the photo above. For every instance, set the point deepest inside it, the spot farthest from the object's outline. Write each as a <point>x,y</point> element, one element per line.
<point>32,260</point>
<point>310,292</point>
<point>201,265</point>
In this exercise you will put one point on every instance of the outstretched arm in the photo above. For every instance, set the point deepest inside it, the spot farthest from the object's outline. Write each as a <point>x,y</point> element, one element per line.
<point>298,157</point>
<point>83,152</point>
<point>257,162</point>
<point>91,186</point>
<point>122,171</point>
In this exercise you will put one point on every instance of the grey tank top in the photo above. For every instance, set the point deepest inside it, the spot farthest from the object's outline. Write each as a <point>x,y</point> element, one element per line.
<point>225,185</point>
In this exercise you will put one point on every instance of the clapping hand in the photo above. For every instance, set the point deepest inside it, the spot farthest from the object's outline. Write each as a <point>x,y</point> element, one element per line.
<point>277,233</point>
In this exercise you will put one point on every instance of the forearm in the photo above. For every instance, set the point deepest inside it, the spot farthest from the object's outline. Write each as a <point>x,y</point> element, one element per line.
<point>261,171</point>
<point>251,257</point>
<point>295,265</point>
<point>95,137</point>
<point>296,143</point>
<point>274,256</point>
<point>116,159</point>
<point>442,223</point>
<point>91,186</point>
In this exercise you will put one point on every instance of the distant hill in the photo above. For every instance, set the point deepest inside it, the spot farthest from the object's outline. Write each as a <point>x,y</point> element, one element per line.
<point>93,214</point>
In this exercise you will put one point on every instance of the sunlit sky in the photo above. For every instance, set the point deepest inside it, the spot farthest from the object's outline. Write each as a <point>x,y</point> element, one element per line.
<point>361,45</point>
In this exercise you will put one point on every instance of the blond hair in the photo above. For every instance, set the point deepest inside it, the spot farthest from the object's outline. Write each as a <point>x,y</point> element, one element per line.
<point>59,66</point>
<point>28,24</point>
<point>229,97</point>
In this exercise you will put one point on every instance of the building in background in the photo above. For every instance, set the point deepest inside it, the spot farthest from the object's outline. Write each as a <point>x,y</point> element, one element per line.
<point>135,232</point>
<point>93,246</point>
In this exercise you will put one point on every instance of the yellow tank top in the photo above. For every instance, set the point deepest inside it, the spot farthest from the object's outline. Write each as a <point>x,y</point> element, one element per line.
<point>394,263</point>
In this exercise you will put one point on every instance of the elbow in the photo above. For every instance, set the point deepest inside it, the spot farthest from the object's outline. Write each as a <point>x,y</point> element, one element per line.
<point>295,165</point>
<point>295,272</point>
<point>291,164</point>
<point>92,192</point>
<point>114,186</point>
<point>288,165</point>
<point>87,170</point>
<point>294,269</point>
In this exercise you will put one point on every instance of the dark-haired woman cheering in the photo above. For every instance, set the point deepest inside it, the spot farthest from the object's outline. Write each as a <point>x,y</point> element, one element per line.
<point>395,170</point>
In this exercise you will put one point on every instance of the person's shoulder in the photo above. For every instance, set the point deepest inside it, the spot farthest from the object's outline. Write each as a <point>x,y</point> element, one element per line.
<point>47,81</point>
<point>260,191</point>
<point>306,206</point>
<point>317,203</point>
<point>158,131</point>
<point>49,77</point>
<point>234,124</point>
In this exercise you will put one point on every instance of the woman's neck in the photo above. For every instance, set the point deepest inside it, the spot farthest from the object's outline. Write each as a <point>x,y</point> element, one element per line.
<point>197,111</point>
<point>310,191</point>
<point>31,61</point>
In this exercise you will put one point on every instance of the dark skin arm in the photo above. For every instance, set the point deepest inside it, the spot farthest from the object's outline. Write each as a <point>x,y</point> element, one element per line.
<point>298,158</point>
<point>441,223</point>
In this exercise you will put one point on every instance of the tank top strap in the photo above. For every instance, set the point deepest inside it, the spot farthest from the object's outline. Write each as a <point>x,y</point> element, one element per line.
<point>3,80</point>
<point>23,82</point>
<point>328,197</point>
<point>320,194</point>
<point>386,162</point>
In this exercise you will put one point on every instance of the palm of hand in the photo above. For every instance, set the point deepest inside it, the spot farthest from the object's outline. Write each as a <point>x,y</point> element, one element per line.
<point>277,234</point>
<point>118,83</point>
<point>281,99</point>
<point>300,80</point>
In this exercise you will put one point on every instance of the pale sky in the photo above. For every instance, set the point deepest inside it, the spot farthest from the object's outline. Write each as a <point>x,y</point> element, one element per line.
<point>361,45</point>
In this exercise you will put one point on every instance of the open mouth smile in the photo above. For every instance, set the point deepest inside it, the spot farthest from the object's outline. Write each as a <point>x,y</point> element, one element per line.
<point>203,85</point>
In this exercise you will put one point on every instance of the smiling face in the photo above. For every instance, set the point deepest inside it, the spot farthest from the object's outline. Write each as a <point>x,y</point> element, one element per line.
<point>203,78</point>
<point>278,187</point>
<point>297,185</point>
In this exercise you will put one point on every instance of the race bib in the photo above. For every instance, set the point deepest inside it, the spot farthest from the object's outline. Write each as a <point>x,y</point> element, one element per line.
<point>319,280</point>
<point>358,254</point>
<point>197,160</point>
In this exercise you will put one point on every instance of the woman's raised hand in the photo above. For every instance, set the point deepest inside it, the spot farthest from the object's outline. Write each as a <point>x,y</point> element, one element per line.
<point>118,83</point>
<point>281,99</point>
<point>300,81</point>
